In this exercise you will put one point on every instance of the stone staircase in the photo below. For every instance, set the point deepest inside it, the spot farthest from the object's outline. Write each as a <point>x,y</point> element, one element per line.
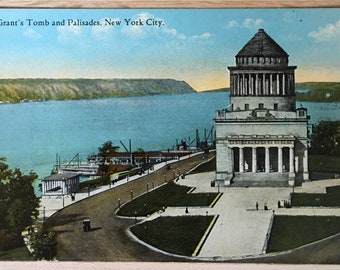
<point>261,179</point>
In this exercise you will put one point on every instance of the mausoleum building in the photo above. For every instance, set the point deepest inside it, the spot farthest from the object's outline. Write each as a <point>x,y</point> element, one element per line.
<point>261,137</point>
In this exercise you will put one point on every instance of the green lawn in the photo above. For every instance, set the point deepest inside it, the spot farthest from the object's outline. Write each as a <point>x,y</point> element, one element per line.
<point>177,235</point>
<point>322,163</point>
<point>166,195</point>
<point>290,232</point>
<point>17,254</point>
<point>329,199</point>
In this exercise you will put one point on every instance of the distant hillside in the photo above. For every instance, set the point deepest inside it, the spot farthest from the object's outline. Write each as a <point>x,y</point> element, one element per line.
<point>318,91</point>
<point>217,90</point>
<point>311,91</point>
<point>18,90</point>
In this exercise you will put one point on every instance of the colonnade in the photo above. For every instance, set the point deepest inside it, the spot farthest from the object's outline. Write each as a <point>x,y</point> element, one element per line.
<point>267,160</point>
<point>262,84</point>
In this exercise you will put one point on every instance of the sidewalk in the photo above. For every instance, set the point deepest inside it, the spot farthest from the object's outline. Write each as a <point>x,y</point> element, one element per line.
<point>51,204</point>
<point>240,230</point>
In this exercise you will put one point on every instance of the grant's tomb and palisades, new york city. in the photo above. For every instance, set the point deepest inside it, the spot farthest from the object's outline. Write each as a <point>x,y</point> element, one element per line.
<point>261,152</point>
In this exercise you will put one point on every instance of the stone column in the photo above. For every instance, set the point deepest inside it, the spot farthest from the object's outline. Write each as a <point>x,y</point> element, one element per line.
<point>283,84</point>
<point>271,83</point>
<point>291,159</point>
<point>263,84</point>
<point>241,160</point>
<point>231,84</point>
<point>254,161</point>
<point>256,84</point>
<point>235,84</point>
<point>277,84</point>
<point>267,160</point>
<point>279,159</point>
<point>305,162</point>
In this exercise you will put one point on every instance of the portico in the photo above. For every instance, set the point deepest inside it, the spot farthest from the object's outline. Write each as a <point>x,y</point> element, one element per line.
<point>268,153</point>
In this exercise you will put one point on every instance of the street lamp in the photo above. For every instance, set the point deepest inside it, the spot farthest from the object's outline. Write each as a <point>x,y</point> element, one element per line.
<point>131,192</point>
<point>44,213</point>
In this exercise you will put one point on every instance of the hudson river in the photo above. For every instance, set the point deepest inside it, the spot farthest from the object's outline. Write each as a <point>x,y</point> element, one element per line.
<point>33,133</point>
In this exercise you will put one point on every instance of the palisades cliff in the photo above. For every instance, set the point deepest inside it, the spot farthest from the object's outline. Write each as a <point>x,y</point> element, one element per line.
<point>21,90</point>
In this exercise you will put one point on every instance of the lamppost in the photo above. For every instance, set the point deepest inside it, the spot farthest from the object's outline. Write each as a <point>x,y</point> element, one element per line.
<point>44,213</point>
<point>131,192</point>
<point>118,203</point>
<point>135,217</point>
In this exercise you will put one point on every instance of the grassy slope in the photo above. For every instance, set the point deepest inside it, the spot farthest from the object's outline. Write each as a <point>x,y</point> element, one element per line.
<point>17,90</point>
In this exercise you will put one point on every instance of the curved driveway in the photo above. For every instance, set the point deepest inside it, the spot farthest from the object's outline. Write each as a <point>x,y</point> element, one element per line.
<point>108,241</point>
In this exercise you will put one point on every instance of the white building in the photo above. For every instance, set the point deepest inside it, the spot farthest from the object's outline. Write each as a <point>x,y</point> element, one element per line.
<point>60,184</point>
<point>261,138</point>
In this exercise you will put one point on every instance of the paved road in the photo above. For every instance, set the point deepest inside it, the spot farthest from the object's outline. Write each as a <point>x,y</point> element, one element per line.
<point>239,233</point>
<point>108,241</point>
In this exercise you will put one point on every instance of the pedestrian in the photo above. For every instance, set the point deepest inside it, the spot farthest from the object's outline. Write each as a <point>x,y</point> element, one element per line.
<point>265,206</point>
<point>257,206</point>
<point>186,210</point>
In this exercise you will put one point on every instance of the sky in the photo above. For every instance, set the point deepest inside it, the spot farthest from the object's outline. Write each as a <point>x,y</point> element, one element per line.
<point>193,45</point>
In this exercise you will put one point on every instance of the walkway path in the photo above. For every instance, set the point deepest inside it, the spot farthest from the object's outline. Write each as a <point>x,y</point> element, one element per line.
<point>241,230</point>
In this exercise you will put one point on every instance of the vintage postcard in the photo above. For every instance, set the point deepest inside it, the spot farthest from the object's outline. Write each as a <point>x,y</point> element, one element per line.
<point>170,136</point>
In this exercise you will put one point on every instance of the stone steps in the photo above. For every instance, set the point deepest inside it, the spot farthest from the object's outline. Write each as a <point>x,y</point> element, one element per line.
<point>260,180</point>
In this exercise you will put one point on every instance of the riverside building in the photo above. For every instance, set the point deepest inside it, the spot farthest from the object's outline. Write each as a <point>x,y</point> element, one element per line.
<point>261,138</point>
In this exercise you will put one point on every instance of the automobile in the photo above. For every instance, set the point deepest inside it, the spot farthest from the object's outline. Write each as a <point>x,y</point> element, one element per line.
<point>86,225</point>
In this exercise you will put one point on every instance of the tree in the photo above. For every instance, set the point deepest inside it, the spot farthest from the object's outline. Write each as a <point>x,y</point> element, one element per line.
<point>18,204</point>
<point>325,139</point>
<point>44,245</point>
<point>107,149</point>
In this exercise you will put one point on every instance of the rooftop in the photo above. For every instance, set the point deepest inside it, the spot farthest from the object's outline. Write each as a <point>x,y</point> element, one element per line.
<point>262,45</point>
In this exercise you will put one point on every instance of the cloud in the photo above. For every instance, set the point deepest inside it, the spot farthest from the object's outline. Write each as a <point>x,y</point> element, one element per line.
<point>104,30</point>
<point>65,32</point>
<point>133,28</point>
<point>326,33</point>
<point>232,24</point>
<point>141,31</point>
<point>252,23</point>
<point>30,33</point>
<point>247,23</point>
<point>205,35</point>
